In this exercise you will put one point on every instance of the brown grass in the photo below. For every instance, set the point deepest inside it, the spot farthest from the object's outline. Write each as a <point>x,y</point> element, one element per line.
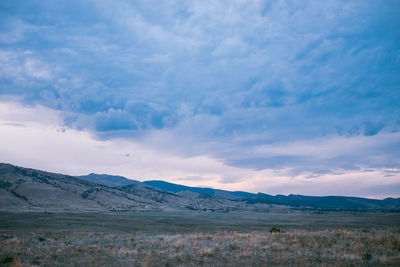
<point>339,247</point>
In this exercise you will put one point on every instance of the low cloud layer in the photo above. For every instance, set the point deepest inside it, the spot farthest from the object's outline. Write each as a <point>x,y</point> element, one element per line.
<point>308,89</point>
<point>36,137</point>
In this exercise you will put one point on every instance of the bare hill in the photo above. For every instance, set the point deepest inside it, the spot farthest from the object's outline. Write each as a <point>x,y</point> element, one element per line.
<point>29,189</point>
<point>23,189</point>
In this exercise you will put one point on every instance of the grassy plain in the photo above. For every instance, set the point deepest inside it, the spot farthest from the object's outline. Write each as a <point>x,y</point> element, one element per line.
<point>192,238</point>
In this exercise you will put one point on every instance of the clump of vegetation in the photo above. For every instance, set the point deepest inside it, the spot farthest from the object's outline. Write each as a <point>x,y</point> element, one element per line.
<point>35,261</point>
<point>367,256</point>
<point>275,230</point>
<point>7,259</point>
<point>2,237</point>
<point>337,247</point>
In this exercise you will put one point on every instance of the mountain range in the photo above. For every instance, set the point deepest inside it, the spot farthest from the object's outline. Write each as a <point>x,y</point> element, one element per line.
<point>23,189</point>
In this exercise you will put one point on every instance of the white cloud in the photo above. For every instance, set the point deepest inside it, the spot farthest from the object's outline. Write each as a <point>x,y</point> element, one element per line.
<point>37,69</point>
<point>44,142</point>
<point>36,137</point>
<point>23,66</point>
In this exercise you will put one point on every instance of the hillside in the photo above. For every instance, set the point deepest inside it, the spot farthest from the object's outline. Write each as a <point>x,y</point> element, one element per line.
<point>175,188</point>
<point>23,189</point>
<point>29,189</point>
<point>109,180</point>
<point>328,202</point>
<point>298,201</point>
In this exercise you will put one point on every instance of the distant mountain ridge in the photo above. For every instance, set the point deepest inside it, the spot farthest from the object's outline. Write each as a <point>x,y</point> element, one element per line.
<point>314,202</point>
<point>117,181</point>
<point>23,189</point>
<point>328,202</point>
<point>292,200</point>
<point>109,180</point>
<point>175,188</point>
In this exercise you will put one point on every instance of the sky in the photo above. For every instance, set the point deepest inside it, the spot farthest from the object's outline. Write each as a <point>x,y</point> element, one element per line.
<point>280,97</point>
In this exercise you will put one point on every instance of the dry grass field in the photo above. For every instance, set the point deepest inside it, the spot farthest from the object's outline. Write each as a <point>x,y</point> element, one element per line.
<point>336,247</point>
<point>198,239</point>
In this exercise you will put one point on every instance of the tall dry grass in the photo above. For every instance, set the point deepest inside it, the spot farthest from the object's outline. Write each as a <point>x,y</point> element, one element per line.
<point>338,247</point>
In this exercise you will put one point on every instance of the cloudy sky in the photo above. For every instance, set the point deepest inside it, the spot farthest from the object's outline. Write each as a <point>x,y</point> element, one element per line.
<point>256,95</point>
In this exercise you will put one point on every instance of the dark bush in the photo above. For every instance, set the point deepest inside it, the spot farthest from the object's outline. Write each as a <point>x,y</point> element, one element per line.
<point>367,256</point>
<point>7,259</point>
<point>275,230</point>
<point>35,261</point>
